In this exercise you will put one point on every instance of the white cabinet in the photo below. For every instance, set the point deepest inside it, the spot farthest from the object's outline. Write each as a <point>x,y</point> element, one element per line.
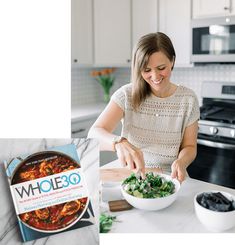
<point>105,31</point>
<point>112,28</point>
<point>81,33</point>
<point>144,18</point>
<point>177,27</point>
<point>80,128</point>
<point>213,8</point>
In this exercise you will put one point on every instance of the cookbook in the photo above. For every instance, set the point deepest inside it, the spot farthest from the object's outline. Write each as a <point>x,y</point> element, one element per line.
<point>49,192</point>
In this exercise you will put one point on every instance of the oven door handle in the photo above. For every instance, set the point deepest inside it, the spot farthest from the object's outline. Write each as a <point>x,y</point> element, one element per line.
<point>216,144</point>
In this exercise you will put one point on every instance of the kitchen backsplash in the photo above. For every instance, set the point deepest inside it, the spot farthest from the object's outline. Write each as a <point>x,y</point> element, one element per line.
<point>85,89</point>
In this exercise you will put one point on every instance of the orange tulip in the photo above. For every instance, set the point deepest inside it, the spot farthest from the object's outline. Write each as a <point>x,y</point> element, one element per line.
<point>104,72</point>
<point>95,73</point>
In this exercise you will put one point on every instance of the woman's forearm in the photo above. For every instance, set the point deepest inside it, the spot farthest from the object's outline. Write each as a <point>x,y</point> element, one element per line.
<point>106,123</point>
<point>103,136</point>
<point>187,155</point>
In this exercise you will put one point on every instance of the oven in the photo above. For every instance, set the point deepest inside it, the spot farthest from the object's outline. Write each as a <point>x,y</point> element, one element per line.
<point>215,161</point>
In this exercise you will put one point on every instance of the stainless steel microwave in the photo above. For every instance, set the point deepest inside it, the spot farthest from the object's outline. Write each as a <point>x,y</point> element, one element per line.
<point>213,40</point>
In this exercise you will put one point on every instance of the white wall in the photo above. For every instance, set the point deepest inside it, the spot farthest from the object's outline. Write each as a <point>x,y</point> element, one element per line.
<point>86,90</point>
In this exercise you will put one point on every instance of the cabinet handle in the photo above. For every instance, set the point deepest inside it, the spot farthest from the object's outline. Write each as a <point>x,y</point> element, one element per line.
<point>75,61</point>
<point>128,60</point>
<point>229,7</point>
<point>78,131</point>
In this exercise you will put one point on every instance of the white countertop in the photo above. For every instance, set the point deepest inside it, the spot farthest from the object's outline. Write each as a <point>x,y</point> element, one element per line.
<point>180,217</point>
<point>86,111</point>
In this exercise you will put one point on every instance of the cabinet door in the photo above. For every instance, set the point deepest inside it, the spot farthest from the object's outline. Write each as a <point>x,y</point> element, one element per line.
<point>81,33</point>
<point>80,129</point>
<point>144,18</point>
<point>212,8</point>
<point>232,7</point>
<point>177,27</point>
<point>112,24</point>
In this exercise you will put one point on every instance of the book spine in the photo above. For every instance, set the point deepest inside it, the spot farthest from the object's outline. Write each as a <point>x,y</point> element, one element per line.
<point>23,233</point>
<point>8,172</point>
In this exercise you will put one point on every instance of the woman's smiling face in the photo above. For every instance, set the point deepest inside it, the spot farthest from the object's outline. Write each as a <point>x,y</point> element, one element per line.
<point>157,73</point>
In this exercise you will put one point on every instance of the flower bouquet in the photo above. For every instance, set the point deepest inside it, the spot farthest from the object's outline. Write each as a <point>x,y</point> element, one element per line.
<point>105,79</point>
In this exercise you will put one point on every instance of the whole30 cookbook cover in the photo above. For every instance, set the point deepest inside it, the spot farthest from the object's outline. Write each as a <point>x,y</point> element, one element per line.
<point>49,192</point>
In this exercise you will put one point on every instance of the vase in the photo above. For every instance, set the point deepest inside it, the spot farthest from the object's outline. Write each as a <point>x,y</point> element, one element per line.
<point>106,97</point>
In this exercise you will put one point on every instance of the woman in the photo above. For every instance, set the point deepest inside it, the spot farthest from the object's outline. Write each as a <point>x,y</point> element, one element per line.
<point>159,118</point>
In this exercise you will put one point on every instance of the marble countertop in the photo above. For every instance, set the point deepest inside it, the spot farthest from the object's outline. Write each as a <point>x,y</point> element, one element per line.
<point>180,217</point>
<point>87,150</point>
<point>83,112</point>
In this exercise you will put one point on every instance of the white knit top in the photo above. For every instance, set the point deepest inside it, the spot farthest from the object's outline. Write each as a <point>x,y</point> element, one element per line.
<point>157,127</point>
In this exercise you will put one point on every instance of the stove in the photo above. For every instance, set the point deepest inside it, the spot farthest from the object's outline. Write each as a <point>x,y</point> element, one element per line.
<point>215,161</point>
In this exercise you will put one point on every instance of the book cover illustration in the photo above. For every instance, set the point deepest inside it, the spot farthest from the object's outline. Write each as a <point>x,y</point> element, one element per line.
<point>49,192</point>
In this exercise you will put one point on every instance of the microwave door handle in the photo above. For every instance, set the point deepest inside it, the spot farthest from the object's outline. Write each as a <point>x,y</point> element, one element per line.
<point>216,144</point>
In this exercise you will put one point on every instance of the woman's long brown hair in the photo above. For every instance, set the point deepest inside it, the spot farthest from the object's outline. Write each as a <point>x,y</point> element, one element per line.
<point>146,46</point>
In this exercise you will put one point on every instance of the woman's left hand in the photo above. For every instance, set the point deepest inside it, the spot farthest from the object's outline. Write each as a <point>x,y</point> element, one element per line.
<point>178,171</point>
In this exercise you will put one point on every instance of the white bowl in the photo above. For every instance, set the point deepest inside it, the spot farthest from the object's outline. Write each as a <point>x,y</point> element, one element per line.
<point>153,203</point>
<point>214,220</point>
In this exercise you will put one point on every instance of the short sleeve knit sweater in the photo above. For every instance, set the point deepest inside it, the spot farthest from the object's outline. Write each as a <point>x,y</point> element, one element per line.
<point>159,123</point>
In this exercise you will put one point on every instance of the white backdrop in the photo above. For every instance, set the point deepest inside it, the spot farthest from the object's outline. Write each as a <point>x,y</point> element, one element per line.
<point>35,68</point>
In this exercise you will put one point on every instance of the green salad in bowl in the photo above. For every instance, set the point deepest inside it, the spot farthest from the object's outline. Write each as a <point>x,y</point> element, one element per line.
<point>155,192</point>
<point>152,186</point>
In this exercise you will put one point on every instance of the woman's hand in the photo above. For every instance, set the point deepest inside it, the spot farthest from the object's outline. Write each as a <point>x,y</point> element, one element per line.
<point>178,171</point>
<point>130,156</point>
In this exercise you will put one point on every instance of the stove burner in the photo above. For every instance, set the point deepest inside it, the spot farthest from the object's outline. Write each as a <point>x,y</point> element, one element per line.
<point>217,114</point>
<point>209,110</point>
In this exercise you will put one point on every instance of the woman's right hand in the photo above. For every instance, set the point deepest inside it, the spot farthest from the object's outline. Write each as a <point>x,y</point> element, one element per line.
<point>131,156</point>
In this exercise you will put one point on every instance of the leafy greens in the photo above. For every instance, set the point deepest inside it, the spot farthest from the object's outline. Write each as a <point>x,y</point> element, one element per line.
<point>153,186</point>
<point>106,222</point>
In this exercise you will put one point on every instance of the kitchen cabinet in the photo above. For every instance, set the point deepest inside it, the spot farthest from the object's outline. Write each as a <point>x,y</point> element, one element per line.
<point>112,28</point>
<point>118,24</point>
<point>213,8</point>
<point>177,27</point>
<point>81,33</point>
<point>105,31</point>
<point>83,116</point>
<point>144,25</point>
<point>80,128</point>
